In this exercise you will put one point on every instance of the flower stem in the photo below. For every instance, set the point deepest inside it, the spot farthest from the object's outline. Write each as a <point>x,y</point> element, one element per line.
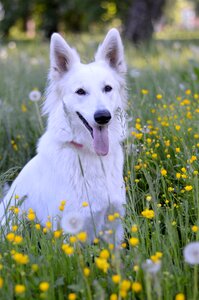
<point>39,117</point>
<point>195,290</point>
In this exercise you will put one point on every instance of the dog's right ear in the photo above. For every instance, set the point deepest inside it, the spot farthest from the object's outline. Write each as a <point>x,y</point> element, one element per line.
<point>62,57</point>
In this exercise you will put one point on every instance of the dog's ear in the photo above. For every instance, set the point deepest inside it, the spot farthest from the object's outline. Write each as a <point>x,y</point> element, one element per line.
<point>61,55</point>
<point>111,50</point>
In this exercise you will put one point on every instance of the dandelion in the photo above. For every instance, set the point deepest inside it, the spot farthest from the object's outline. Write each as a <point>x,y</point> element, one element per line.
<point>48,225</point>
<point>86,271</point>
<point>19,289</point>
<point>20,258</point>
<point>134,228</point>
<point>134,241</point>
<point>177,127</point>
<point>113,297</point>
<point>31,215</point>
<point>151,267</point>
<point>178,175</point>
<point>38,226</point>
<point>14,228</point>
<point>111,218</point>
<point>136,268</point>
<point>191,253</point>
<point>23,108</point>
<point>180,296</point>
<point>144,92</point>
<point>188,188</point>
<point>57,234</point>
<point>136,287</point>
<point>18,239</point>
<point>102,264</point>
<point>194,228</point>
<point>164,172</point>
<point>10,237</point>
<point>69,250</point>
<point>72,296</point>
<point>159,96</point>
<point>1,282</point>
<point>116,278</point>
<point>148,213</point>
<point>72,223</point>
<point>84,204</point>
<point>44,286</point>
<point>104,254</point>
<point>35,267</point>
<point>35,95</point>
<point>82,236</point>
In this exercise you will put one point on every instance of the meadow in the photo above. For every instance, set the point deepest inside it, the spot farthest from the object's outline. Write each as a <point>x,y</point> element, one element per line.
<point>161,176</point>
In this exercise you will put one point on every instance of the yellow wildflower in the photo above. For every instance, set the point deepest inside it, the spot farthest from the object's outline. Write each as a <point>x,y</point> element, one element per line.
<point>104,254</point>
<point>188,188</point>
<point>116,278</point>
<point>14,228</point>
<point>148,213</point>
<point>136,287</point>
<point>10,236</point>
<point>194,228</point>
<point>102,264</point>
<point>38,226</point>
<point>44,286</point>
<point>86,271</point>
<point>57,234</point>
<point>82,236</point>
<point>72,296</point>
<point>1,282</point>
<point>69,250</point>
<point>134,228</point>
<point>19,289</point>
<point>113,297</point>
<point>18,239</point>
<point>134,241</point>
<point>180,296</point>
<point>21,258</point>
<point>163,172</point>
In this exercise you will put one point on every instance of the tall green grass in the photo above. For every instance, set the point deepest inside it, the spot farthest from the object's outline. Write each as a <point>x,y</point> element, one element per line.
<point>161,175</point>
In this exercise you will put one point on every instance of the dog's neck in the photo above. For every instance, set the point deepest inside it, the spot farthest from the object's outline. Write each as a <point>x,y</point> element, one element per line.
<point>77,145</point>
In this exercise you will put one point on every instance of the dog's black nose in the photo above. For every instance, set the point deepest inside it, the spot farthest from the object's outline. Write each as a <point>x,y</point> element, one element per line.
<point>102,117</point>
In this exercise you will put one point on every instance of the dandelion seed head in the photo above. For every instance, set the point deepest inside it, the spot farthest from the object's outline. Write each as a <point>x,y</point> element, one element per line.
<point>72,223</point>
<point>35,95</point>
<point>191,253</point>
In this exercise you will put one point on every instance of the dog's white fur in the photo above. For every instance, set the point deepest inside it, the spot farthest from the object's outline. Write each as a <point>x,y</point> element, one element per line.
<point>74,172</point>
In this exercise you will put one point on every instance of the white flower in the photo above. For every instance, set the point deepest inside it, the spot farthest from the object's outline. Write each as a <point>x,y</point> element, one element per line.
<point>145,129</point>
<point>72,223</point>
<point>35,96</point>
<point>191,253</point>
<point>134,73</point>
<point>11,45</point>
<point>151,267</point>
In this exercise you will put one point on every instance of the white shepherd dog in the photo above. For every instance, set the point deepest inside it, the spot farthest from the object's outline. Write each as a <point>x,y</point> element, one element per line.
<point>79,157</point>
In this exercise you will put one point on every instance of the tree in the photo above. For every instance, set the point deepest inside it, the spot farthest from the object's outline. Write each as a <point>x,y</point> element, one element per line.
<point>139,24</point>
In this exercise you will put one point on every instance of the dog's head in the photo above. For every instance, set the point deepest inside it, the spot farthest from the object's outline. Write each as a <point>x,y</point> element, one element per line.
<point>84,100</point>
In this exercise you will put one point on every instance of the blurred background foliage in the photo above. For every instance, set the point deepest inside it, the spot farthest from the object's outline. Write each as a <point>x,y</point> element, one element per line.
<point>138,19</point>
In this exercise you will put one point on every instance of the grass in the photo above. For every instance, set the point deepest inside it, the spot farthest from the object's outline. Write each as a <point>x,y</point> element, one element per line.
<point>161,175</point>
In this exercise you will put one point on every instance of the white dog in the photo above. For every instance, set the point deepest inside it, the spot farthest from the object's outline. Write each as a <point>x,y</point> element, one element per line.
<point>79,157</point>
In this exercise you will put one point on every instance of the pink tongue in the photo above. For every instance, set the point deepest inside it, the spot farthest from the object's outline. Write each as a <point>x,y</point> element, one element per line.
<point>101,142</point>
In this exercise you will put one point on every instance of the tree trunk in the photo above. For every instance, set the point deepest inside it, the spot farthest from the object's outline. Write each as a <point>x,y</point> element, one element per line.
<point>142,14</point>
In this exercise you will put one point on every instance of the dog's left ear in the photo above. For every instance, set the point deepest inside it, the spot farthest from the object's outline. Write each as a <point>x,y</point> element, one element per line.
<point>111,50</point>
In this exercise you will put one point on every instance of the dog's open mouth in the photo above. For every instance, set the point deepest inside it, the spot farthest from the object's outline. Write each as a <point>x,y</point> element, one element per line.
<point>99,135</point>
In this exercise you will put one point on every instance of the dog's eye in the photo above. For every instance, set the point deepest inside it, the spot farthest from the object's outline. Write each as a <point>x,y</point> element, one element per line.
<point>107,88</point>
<point>81,92</point>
